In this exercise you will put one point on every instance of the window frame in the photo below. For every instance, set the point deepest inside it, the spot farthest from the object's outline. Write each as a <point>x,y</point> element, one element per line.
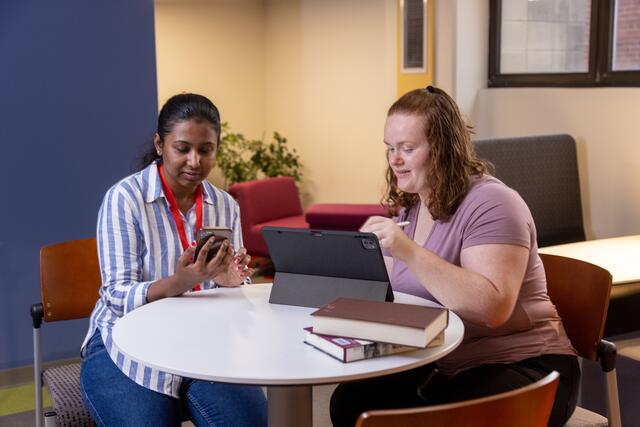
<point>600,72</point>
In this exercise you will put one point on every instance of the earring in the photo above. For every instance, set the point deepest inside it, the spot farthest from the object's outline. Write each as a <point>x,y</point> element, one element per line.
<point>159,153</point>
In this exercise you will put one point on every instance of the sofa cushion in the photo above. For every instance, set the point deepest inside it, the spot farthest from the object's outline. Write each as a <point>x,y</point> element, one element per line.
<point>255,232</point>
<point>341,216</point>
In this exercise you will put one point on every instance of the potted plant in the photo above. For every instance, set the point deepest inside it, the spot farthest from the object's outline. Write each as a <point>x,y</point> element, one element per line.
<point>241,159</point>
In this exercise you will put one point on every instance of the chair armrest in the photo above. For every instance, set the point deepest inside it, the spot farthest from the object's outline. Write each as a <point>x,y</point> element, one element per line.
<point>607,352</point>
<point>37,313</point>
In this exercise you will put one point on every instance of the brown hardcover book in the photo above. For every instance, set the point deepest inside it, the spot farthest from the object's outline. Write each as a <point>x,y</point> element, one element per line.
<point>390,322</point>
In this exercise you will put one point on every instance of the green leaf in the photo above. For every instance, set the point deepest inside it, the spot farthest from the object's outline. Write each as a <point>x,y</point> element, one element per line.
<point>241,159</point>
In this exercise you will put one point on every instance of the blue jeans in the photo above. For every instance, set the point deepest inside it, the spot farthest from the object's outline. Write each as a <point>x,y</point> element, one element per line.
<point>115,400</point>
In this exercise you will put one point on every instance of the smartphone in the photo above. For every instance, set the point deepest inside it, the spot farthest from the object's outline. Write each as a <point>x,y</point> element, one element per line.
<point>219,234</point>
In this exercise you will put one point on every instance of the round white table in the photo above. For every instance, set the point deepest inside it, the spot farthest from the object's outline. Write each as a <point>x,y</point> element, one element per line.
<point>234,335</point>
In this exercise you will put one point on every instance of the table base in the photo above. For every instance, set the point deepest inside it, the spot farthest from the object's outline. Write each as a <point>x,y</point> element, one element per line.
<point>290,406</point>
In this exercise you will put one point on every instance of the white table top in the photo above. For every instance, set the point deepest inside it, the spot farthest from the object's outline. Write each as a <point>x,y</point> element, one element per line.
<point>619,255</point>
<point>235,336</point>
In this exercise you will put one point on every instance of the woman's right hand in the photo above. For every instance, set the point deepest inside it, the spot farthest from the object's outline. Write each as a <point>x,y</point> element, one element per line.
<point>189,272</point>
<point>390,236</point>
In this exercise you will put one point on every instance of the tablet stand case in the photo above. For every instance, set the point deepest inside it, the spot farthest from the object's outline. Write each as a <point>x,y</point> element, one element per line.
<point>315,267</point>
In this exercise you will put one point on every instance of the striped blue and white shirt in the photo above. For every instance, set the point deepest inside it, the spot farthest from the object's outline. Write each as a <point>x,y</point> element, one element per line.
<point>138,244</point>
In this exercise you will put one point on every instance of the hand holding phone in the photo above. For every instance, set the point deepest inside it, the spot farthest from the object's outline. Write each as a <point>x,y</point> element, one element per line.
<point>219,234</point>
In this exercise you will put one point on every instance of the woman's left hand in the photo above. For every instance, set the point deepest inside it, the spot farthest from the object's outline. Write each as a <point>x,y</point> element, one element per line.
<point>390,236</point>
<point>237,270</point>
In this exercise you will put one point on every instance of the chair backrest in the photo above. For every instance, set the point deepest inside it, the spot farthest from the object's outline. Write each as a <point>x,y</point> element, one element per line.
<point>544,170</point>
<point>69,279</point>
<point>529,406</point>
<point>266,199</point>
<point>580,292</point>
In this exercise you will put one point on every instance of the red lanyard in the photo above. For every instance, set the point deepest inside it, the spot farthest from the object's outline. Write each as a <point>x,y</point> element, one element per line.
<point>175,212</point>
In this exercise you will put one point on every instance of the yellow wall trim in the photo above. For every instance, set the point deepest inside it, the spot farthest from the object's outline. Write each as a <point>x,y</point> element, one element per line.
<point>409,81</point>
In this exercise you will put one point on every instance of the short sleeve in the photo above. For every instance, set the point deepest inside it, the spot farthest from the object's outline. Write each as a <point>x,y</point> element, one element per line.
<point>496,214</point>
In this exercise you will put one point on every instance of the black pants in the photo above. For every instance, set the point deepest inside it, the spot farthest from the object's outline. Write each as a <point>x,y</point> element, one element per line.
<point>426,386</point>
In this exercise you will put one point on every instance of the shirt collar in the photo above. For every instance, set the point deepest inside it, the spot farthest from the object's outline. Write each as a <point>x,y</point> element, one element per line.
<point>154,187</point>
<point>208,191</point>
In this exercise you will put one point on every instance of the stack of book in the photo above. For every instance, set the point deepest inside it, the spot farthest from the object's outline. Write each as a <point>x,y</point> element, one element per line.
<point>353,329</point>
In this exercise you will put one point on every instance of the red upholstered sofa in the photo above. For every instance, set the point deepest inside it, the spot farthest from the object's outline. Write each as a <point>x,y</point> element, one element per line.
<point>275,202</point>
<point>341,216</point>
<point>270,201</point>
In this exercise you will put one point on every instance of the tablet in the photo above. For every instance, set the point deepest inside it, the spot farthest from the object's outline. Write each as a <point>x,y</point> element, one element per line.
<point>314,267</point>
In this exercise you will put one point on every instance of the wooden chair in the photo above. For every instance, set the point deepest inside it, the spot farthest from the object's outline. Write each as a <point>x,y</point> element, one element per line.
<point>69,282</point>
<point>529,406</point>
<point>543,169</point>
<point>580,292</point>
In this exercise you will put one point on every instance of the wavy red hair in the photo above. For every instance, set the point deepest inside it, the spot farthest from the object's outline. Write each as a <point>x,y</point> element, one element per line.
<point>452,160</point>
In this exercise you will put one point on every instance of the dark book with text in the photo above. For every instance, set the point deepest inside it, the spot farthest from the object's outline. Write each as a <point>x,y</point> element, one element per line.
<point>395,323</point>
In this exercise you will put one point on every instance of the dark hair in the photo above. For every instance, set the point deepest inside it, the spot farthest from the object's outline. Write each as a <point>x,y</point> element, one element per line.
<point>178,108</point>
<point>452,158</point>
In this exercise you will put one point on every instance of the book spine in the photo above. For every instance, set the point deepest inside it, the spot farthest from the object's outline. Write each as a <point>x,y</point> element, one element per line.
<point>350,350</point>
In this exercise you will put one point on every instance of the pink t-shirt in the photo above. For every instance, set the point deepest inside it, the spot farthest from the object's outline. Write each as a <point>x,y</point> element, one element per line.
<point>492,213</point>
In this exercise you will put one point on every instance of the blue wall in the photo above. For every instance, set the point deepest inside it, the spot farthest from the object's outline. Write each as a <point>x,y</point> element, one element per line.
<point>77,101</point>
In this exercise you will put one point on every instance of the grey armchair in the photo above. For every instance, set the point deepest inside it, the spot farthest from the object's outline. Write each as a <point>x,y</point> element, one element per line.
<point>544,170</point>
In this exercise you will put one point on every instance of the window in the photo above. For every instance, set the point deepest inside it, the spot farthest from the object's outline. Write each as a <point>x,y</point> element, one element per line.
<point>564,43</point>
<point>626,36</point>
<point>414,55</point>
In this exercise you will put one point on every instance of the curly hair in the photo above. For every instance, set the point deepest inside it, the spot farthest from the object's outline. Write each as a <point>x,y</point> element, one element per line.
<point>452,159</point>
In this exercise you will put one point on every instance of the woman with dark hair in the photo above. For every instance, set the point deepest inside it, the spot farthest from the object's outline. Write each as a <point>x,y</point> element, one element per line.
<point>146,230</point>
<point>470,246</point>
